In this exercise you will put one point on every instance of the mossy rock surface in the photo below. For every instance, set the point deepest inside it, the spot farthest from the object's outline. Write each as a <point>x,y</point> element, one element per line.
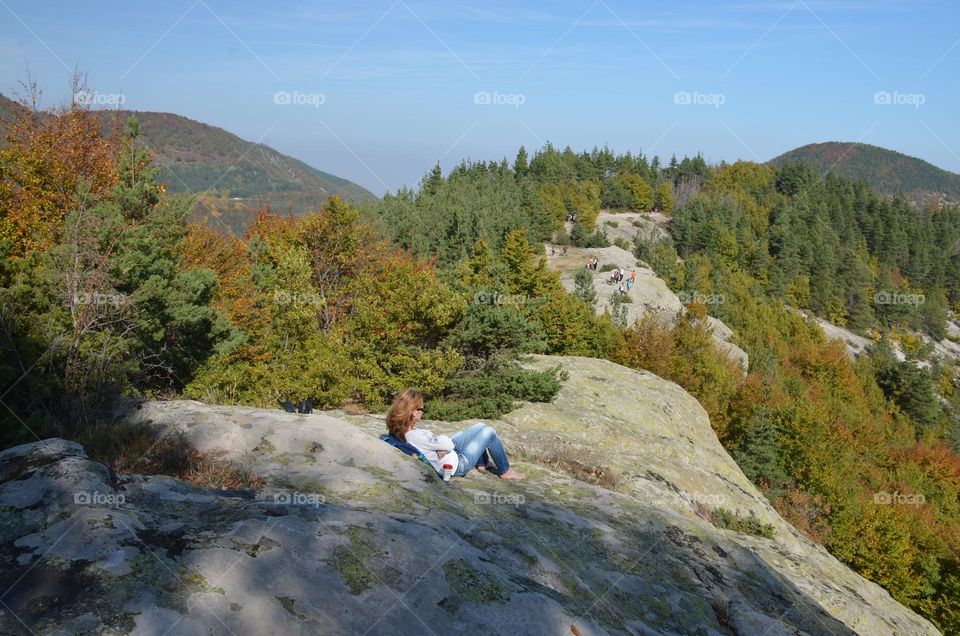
<point>606,536</point>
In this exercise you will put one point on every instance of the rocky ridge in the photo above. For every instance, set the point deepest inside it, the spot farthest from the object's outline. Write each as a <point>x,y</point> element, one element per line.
<point>611,533</point>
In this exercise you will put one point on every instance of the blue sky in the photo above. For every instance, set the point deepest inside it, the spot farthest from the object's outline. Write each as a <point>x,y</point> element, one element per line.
<point>376,92</point>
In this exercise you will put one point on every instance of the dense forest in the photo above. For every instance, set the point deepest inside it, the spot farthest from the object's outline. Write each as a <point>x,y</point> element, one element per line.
<point>107,290</point>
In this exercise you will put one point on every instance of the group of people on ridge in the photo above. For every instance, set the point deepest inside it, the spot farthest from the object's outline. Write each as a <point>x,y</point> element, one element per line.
<point>619,275</point>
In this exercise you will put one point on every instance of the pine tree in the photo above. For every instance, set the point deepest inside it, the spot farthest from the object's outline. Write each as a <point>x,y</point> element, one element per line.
<point>583,285</point>
<point>137,191</point>
<point>663,197</point>
<point>526,273</point>
<point>432,183</point>
<point>520,165</point>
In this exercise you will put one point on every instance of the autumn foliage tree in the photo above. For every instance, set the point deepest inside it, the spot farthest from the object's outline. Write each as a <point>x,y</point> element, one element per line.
<point>46,157</point>
<point>101,307</point>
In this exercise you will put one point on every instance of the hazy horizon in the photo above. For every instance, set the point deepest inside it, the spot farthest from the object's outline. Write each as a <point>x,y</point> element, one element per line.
<point>378,92</point>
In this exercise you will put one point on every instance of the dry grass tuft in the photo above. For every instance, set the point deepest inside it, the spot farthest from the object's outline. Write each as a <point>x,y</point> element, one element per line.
<point>144,449</point>
<point>580,463</point>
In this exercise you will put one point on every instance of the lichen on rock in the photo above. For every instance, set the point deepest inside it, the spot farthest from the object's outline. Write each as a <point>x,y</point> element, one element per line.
<point>350,536</point>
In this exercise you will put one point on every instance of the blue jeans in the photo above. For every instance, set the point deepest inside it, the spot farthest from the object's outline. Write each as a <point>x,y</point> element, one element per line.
<point>473,444</point>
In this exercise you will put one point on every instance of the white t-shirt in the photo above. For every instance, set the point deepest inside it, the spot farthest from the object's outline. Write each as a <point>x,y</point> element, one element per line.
<point>428,443</point>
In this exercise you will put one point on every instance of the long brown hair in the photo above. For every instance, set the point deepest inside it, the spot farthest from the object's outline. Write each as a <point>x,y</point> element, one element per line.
<point>400,416</point>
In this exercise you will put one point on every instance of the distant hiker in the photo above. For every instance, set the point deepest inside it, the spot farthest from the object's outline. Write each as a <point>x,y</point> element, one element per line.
<point>564,250</point>
<point>551,250</point>
<point>633,277</point>
<point>467,449</point>
<point>622,290</point>
<point>629,283</point>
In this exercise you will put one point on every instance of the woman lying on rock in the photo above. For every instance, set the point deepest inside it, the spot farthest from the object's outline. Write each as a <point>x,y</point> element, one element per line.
<point>467,449</point>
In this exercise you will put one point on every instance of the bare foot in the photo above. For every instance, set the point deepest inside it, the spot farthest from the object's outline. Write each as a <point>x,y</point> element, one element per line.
<point>482,469</point>
<point>512,474</point>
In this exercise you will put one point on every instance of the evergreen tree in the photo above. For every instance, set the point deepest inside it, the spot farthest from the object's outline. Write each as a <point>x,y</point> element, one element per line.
<point>520,164</point>
<point>584,289</point>
<point>663,197</point>
<point>432,183</point>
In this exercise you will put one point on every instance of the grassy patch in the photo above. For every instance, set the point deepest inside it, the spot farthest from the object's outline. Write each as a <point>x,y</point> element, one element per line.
<point>723,518</point>
<point>147,450</point>
<point>582,464</point>
<point>352,565</point>
<point>474,585</point>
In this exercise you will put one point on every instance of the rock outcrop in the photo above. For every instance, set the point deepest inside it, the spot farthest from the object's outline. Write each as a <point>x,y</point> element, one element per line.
<point>648,295</point>
<point>610,534</point>
<point>946,350</point>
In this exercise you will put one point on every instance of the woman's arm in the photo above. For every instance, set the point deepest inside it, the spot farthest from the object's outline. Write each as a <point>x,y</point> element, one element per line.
<point>427,441</point>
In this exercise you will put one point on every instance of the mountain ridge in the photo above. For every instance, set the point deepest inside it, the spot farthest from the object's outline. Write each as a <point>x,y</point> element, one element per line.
<point>885,170</point>
<point>232,177</point>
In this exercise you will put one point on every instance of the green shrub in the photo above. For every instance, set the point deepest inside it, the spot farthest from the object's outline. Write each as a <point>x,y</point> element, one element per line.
<point>493,391</point>
<point>723,518</point>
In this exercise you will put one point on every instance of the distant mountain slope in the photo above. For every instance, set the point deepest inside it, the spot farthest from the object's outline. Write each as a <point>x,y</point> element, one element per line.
<point>8,108</point>
<point>232,177</point>
<point>235,177</point>
<point>887,171</point>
